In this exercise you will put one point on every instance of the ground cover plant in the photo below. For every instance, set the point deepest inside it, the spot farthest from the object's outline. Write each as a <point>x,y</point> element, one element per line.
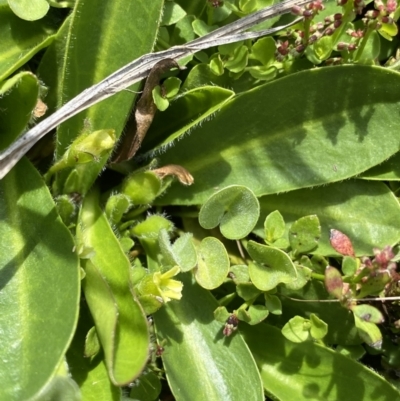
<point>227,231</point>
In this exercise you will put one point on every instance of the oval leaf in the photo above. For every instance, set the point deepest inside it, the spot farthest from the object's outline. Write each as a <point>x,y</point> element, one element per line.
<point>235,208</point>
<point>39,284</point>
<point>366,211</point>
<point>312,140</point>
<point>221,370</point>
<point>307,370</point>
<point>120,322</point>
<point>213,263</point>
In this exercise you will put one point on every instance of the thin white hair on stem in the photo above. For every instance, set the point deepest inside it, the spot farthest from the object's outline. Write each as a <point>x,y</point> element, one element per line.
<point>138,70</point>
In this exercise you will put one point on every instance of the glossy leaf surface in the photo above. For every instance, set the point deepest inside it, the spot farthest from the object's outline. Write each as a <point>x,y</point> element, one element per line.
<point>39,280</point>
<point>272,143</point>
<point>308,371</point>
<point>214,368</point>
<point>343,206</point>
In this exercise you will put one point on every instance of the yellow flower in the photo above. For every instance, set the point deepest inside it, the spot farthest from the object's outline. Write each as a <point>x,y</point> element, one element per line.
<point>168,289</point>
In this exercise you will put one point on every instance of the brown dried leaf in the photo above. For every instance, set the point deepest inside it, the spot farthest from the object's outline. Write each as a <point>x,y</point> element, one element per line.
<point>179,172</point>
<point>137,127</point>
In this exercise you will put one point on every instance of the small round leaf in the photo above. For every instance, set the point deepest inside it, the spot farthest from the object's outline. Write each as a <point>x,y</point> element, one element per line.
<point>296,329</point>
<point>235,208</point>
<point>272,266</point>
<point>213,263</point>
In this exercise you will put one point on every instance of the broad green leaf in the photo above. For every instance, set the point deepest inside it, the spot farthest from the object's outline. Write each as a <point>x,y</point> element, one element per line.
<point>272,142</point>
<point>213,263</point>
<point>387,171</point>
<point>60,388</point>
<point>272,266</point>
<point>39,285</point>
<point>304,234</point>
<point>18,97</point>
<point>83,57</point>
<point>21,40</point>
<point>183,114</point>
<point>198,362</point>
<point>29,10</point>
<point>89,373</point>
<point>308,371</point>
<point>367,212</point>
<point>234,208</point>
<point>120,322</point>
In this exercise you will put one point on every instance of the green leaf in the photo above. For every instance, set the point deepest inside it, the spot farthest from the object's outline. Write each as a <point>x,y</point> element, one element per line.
<point>181,253</point>
<point>61,388</point>
<point>147,388</point>
<point>120,322</point>
<point>21,40</point>
<point>264,51</point>
<point>304,234</point>
<point>39,285</point>
<point>89,373</point>
<point>257,314</point>
<point>312,140</point>
<point>369,332</point>
<point>82,49</point>
<point>273,304</point>
<point>345,206</point>
<point>234,208</point>
<point>29,10</point>
<point>387,171</point>
<point>309,371</point>
<point>159,100</point>
<point>222,369</point>
<point>334,282</point>
<point>297,329</point>
<point>187,111</point>
<point>172,13</point>
<point>213,263</point>
<point>141,187</point>
<point>368,313</point>
<point>319,328</point>
<point>92,345</point>
<point>18,97</point>
<point>271,268</point>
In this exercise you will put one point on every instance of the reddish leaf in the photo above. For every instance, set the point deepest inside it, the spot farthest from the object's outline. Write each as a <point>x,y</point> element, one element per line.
<point>341,243</point>
<point>333,282</point>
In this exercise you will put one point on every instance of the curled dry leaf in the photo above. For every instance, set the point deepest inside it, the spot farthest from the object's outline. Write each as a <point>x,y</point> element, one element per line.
<point>139,123</point>
<point>179,172</point>
<point>341,243</point>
